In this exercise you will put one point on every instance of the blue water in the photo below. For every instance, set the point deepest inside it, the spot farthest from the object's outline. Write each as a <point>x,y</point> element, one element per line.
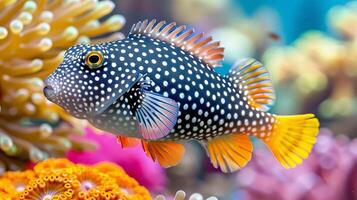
<point>296,16</point>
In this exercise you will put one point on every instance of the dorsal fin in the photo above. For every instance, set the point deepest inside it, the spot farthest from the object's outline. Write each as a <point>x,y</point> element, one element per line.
<point>256,80</point>
<point>181,36</point>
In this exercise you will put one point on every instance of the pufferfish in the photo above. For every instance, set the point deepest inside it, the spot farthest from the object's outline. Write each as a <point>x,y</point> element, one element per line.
<point>158,87</point>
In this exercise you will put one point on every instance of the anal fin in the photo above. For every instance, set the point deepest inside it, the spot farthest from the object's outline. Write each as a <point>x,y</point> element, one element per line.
<point>166,153</point>
<point>229,152</point>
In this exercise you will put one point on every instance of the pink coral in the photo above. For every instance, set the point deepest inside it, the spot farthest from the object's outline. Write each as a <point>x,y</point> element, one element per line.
<point>329,173</point>
<point>133,160</point>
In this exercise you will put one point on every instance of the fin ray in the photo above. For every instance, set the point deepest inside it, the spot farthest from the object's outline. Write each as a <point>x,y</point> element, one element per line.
<point>229,152</point>
<point>128,141</point>
<point>166,153</point>
<point>292,138</point>
<point>156,116</point>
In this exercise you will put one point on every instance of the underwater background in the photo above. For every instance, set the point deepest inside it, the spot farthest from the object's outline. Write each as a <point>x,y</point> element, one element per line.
<point>309,47</point>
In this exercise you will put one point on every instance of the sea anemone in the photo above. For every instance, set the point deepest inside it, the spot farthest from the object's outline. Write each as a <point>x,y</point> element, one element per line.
<point>62,179</point>
<point>19,179</point>
<point>33,36</point>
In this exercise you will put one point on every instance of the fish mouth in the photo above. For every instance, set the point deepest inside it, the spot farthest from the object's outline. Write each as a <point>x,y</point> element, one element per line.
<point>49,91</point>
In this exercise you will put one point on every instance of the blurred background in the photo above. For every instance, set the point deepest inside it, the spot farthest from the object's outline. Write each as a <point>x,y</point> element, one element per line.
<point>309,47</point>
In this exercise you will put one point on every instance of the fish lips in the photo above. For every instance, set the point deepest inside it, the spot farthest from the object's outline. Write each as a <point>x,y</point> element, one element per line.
<point>49,91</point>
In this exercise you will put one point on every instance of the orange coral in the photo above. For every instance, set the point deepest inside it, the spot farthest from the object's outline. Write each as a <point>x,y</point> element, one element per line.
<point>7,190</point>
<point>33,36</point>
<point>62,179</point>
<point>19,179</point>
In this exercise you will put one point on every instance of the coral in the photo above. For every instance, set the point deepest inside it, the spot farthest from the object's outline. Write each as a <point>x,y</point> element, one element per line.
<point>181,195</point>
<point>341,18</point>
<point>321,69</point>
<point>329,173</point>
<point>62,179</point>
<point>133,160</point>
<point>33,36</point>
<point>240,35</point>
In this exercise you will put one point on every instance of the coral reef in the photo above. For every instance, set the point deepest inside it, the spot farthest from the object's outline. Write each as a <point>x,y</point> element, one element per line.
<point>33,36</point>
<point>321,69</point>
<point>62,179</point>
<point>240,35</point>
<point>133,160</point>
<point>329,173</point>
<point>342,17</point>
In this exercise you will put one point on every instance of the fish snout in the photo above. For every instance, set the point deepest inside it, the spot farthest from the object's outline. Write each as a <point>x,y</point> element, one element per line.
<point>49,89</point>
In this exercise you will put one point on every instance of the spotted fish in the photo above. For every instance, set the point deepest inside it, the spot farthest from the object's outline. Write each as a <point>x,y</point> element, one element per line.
<point>159,87</point>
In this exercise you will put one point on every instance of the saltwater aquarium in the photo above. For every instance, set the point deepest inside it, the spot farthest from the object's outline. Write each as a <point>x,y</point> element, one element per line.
<point>178,99</point>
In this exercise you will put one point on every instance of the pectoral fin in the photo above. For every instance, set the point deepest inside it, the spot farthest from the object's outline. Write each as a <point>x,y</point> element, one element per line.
<point>156,115</point>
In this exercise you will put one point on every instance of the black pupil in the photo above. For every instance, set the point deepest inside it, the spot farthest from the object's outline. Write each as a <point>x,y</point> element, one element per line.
<point>93,59</point>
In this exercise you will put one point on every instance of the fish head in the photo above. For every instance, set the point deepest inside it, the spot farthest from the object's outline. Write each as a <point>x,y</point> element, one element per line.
<point>82,81</point>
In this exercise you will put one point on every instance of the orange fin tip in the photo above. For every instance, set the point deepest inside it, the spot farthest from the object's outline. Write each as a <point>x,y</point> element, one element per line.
<point>229,152</point>
<point>166,153</point>
<point>128,141</point>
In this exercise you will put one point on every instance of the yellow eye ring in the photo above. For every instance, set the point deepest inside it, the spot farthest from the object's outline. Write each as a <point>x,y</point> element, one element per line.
<point>94,59</point>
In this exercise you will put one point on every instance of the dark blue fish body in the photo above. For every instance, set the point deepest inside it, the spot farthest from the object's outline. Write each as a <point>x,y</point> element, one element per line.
<point>208,102</point>
<point>159,85</point>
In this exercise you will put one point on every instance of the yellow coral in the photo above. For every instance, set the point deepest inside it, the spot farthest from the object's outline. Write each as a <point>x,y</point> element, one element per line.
<point>344,18</point>
<point>62,179</point>
<point>33,36</point>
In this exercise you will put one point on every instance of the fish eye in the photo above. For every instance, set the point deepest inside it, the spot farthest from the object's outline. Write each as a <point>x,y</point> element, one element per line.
<point>94,59</point>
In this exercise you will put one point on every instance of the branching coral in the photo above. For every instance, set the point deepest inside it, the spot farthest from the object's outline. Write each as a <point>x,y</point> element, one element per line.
<point>318,65</point>
<point>33,36</point>
<point>61,179</point>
